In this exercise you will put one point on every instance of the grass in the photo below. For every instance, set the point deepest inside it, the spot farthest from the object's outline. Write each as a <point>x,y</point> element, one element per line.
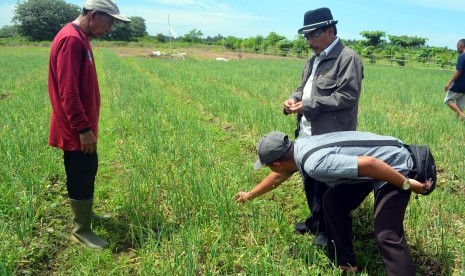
<point>177,141</point>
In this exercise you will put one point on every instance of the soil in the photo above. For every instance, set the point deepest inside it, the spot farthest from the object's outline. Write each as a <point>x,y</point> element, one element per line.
<point>193,52</point>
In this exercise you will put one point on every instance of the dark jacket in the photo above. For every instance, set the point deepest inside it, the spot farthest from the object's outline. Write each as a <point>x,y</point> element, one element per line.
<point>333,104</point>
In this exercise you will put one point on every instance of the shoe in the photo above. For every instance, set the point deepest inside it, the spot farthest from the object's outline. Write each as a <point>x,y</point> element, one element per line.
<point>321,240</point>
<point>301,228</point>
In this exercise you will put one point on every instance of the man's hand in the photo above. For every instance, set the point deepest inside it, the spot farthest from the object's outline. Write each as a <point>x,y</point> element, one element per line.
<point>88,142</point>
<point>420,188</point>
<point>242,196</point>
<point>296,108</point>
<point>446,88</point>
<point>288,104</point>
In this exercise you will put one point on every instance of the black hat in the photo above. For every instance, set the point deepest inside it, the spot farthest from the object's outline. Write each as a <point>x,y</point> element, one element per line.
<point>316,19</point>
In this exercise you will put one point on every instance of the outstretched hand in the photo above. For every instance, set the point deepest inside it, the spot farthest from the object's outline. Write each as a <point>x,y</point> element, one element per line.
<point>242,197</point>
<point>419,187</point>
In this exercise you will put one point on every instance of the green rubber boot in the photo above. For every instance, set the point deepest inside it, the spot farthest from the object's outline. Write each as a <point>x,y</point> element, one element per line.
<point>101,218</point>
<point>82,233</point>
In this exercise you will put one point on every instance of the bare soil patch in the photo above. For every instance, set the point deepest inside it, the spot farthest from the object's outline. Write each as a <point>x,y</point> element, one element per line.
<point>204,53</point>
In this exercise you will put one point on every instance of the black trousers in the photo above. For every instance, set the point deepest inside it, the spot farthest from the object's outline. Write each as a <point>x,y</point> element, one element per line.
<point>314,191</point>
<point>389,211</point>
<point>81,170</point>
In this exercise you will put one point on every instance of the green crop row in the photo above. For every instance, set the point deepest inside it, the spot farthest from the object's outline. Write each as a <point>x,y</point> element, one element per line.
<point>177,141</point>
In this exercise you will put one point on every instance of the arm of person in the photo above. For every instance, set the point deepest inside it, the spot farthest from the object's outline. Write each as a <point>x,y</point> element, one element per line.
<point>296,96</point>
<point>288,105</point>
<point>270,182</point>
<point>456,75</point>
<point>374,168</point>
<point>69,61</point>
<point>88,142</point>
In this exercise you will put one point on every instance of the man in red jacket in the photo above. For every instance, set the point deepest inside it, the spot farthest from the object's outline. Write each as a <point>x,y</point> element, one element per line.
<point>75,99</point>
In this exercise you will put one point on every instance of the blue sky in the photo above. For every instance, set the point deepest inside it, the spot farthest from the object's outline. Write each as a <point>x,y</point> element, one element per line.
<point>439,21</point>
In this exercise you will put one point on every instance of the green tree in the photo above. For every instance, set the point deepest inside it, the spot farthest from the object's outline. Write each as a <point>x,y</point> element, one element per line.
<point>273,38</point>
<point>162,38</point>
<point>193,36</point>
<point>251,44</point>
<point>233,43</point>
<point>42,19</point>
<point>120,31</point>
<point>407,41</point>
<point>374,38</point>
<point>139,29</point>
<point>9,31</point>
<point>270,42</point>
<point>284,46</point>
<point>300,46</point>
<point>216,40</point>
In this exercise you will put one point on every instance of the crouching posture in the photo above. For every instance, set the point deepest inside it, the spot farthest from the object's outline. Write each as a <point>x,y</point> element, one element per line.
<point>351,172</point>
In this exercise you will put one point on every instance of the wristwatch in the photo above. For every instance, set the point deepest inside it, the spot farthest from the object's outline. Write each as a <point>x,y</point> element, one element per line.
<point>406,185</point>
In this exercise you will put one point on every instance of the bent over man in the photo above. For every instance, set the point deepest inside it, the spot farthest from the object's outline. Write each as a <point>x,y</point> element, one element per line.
<point>351,172</point>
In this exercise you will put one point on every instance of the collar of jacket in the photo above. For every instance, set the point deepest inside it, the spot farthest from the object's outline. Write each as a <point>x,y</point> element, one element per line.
<point>333,54</point>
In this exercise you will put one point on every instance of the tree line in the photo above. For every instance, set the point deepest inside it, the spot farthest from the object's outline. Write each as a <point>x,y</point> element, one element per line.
<point>40,20</point>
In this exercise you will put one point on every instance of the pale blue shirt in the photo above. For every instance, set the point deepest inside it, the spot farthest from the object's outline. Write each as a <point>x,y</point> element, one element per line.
<point>338,165</point>
<point>305,126</point>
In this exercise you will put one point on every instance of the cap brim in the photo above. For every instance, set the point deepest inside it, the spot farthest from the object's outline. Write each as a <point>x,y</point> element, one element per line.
<point>121,17</point>
<point>258,165</point>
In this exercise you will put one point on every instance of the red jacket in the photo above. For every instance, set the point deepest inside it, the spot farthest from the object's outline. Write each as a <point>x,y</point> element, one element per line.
<point>73,88</point>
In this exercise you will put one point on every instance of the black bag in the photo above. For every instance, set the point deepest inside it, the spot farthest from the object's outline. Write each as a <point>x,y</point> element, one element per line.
<point>423,169</point>
<point>424,165</point>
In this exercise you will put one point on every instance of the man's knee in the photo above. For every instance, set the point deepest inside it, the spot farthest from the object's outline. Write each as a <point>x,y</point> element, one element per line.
<point>389,238</point>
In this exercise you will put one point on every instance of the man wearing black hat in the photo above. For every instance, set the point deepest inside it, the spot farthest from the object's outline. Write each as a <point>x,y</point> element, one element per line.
<point>75,99</point>
<point>326,101</point>
<point>351,172</point>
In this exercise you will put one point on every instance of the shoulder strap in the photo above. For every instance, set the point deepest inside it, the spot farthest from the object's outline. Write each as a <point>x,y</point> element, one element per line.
<point>78,30</point>
<point>354,143</point>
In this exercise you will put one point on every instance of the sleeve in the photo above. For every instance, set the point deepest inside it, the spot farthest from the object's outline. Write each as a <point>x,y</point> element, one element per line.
<point>346,93</point>
<point>461,63</point>
<point>299,91</point>
<point>70,56</point>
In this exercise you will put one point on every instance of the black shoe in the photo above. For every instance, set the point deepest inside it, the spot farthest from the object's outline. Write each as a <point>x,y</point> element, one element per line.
<point>302,228</point>
<point>321,240</point>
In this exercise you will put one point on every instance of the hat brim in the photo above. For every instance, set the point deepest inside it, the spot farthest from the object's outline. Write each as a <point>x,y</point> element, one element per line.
<point>120,17</point>
<point>310,28</point>
<point>258,165</point>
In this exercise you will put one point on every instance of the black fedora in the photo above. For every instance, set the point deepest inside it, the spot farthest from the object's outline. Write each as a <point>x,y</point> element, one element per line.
<point>316,19</point>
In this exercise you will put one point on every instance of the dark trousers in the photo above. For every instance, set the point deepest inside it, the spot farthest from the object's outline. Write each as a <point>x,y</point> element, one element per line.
<point>389,211</point>
<point>314,191</point>
<point>81,170</point>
